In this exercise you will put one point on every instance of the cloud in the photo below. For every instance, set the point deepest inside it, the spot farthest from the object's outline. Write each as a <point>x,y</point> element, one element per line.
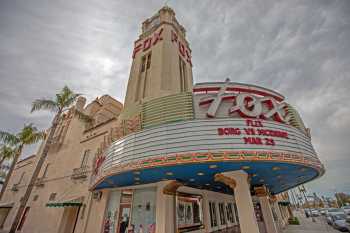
<point>299,48</point>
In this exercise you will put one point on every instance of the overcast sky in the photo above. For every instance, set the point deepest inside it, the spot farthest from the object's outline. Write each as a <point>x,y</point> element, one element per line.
<point>298,48</point>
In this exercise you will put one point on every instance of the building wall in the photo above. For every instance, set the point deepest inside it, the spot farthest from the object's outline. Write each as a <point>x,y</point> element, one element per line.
<point>17,185</point>
<point>66,154</point>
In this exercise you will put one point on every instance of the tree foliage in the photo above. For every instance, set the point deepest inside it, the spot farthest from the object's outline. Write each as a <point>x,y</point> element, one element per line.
<point>29,134</point>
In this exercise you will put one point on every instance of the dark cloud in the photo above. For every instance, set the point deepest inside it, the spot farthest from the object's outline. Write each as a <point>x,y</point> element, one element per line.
<point>299,48</point>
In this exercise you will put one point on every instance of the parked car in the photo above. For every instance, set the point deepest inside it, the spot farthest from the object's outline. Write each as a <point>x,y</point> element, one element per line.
<point>323,211</point>
<point>346,209</point>
<point>347,224</point>
<point>315,213</point>
<point>330,218</point>
<point>339,222</point>
<point>334,211</point>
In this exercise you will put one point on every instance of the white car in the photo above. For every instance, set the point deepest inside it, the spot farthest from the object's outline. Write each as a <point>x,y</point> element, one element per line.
<point>315,213</point>
<point>334,211</point>
<point>346,209</point>
<point>347,224</point>
<point>323,211</point>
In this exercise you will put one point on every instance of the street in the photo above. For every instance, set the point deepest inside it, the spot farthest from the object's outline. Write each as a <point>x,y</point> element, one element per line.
<point>308,226</point>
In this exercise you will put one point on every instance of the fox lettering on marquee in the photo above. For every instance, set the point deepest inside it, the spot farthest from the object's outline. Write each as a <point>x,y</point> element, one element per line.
<point>248,105</point>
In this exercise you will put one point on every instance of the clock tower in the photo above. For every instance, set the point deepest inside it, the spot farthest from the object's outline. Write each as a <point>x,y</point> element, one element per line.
<point>161,60</point>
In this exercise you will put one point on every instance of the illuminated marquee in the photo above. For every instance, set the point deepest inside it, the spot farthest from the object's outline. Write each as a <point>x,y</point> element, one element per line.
<point>247,101</point>
<point>254,133</point>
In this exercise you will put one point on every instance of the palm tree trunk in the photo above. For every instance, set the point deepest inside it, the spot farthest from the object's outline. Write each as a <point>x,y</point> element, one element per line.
<point>13,165</point>
<point>35,173</point>
<point>1,161</point>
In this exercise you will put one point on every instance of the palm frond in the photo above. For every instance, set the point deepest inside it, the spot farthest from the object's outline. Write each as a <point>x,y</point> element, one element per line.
<point>67,97</point>
<point>8,138</point>
<point>30,134</point>
<point>37,137</point>
<point>7,152</point>
<point>44,104</point>
<point>71,100</point>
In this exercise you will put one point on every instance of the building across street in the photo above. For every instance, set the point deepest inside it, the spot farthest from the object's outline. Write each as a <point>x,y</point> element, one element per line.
<point>175,157</point>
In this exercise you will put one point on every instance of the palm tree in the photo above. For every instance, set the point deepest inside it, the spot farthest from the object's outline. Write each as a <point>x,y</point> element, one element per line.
<point>62,102</point>
<point>6,152</point>
<point>28,135</point>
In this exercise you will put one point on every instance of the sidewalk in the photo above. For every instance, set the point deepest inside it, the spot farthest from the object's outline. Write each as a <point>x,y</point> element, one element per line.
<point>307,226</point>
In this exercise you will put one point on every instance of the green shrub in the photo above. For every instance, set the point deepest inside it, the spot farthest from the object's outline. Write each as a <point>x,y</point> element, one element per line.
<point>294,221</point>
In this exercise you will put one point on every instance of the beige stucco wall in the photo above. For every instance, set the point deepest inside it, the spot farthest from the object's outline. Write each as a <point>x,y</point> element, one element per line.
<point>23,167</point>
<point>62,159</point>
<point>163,77</point>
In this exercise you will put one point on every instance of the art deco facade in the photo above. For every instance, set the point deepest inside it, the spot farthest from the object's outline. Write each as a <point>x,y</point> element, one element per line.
<point>176,157</point>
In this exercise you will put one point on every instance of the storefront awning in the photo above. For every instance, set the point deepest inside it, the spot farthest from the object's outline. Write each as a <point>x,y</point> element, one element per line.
<point>64,204</point>
<point>6,205</point>
<point>284,203</point>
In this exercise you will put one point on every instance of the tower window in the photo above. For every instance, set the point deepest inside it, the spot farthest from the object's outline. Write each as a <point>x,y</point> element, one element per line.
<point>149,58</point>
<point>183,80</point>
<point>143,63</point>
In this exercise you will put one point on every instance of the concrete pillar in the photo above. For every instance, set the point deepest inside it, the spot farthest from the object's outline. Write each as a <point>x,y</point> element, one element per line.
<point>279,216</point>
<point>165,210</point>
<point>238,180</point>
<point>267,214</point>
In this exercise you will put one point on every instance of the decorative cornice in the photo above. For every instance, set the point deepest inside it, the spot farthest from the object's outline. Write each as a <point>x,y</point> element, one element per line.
<point>226,180</point>
<point>171,188</point>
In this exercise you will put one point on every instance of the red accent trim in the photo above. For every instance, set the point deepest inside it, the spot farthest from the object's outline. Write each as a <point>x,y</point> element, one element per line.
<point>229,98</point>
<point>201,89</point>
<point>205,102</point>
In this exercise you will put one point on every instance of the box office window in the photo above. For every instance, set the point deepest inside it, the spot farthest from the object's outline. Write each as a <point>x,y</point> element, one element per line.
<point>189,214</point>
<point>213,216</point>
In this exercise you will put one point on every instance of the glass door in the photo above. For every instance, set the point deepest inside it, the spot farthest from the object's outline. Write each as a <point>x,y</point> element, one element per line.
<point>123,218</point>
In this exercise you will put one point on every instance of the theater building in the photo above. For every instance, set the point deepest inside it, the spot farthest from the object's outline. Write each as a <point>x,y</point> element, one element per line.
<point>176,157</point>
